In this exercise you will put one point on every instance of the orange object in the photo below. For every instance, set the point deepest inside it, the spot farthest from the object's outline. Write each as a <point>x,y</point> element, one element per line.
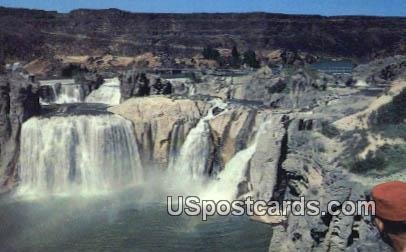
<point>390,200</point>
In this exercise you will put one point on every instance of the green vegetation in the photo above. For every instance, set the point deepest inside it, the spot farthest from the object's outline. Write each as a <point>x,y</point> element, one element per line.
<point>370,163</point>
<point>72,70</point>
<point>211,53</point>
<point>250,59</point>
<point>392,113</point>
<point>391,130</point>
<point>386,160</point>
<point>235,58</point>
<point>329,130</point>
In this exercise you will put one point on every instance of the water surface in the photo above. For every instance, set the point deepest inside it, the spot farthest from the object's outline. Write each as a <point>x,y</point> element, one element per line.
<point>119,222</point>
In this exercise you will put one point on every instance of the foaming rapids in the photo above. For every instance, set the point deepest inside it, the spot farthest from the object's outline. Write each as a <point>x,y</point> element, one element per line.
<point>78,155</point>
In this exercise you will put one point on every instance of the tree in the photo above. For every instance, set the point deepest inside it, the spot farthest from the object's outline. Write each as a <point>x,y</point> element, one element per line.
<point>211,53</point>
<point>250,58</point>
<point>235,58</point>
<point>2,57</point>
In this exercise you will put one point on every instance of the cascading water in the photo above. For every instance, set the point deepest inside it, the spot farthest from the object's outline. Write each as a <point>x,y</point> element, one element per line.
<point>108,93</point>
<point>194,154</point>
<point>225,187</point>
<point>193,158</point>
<point>82,154</point>
<point>63,91</point>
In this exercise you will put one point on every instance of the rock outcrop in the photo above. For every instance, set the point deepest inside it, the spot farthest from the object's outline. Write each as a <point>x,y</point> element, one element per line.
<point>89,82</point>
<point>19,101</point>
<point>286,89</point>
<point>315,167</point>
<point>136,84</point>
<point>162,125</point>
<point>381,71</point>
<point>310,171</point>
<point>231,132</point>
<point>265,164</point>
<point>158,122</point>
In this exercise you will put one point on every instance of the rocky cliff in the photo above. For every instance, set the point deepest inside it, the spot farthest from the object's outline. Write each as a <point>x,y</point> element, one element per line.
<point>28,34</point>
<point>19,101</point>
<point>161,125</point>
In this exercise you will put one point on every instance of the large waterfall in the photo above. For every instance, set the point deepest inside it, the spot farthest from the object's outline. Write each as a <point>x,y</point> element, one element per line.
<point>108,93</point>
<point>82,154</point>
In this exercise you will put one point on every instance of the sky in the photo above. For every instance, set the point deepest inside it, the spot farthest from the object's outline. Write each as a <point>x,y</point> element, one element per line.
<point>321,7</point>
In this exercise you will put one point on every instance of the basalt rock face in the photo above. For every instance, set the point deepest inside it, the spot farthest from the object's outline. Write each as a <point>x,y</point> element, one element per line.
<point>314,167</point>
<point>136,84</point>
<point>19,101</point>
<point>35,33</point>
<point>89,82</point>
<point>265,163</point>
<point>231,131</point>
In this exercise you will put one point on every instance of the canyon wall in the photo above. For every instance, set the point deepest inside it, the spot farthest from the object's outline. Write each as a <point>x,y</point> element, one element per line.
<point>28,34</point>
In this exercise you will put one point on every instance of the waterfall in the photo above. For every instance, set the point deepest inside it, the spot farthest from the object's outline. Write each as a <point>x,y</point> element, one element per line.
<point>78,154</point>
<point>63,91</point>
<point>192,90</point>
<point>225,187</point>
<point>108,93</point>
<point>194,154</point>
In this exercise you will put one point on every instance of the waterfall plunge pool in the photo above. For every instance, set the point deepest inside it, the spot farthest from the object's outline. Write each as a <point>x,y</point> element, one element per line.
<point>79,146</point>
<point>120,222</point>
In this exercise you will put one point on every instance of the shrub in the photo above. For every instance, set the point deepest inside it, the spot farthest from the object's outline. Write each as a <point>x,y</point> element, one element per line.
<point>394,112</point>
<point>250,58</point>
<point>329,130</point>
<point>72,70</point>
<point>211,53</point>
<point>369,163</point>
<point>235,58</point>
<point>388,159</point>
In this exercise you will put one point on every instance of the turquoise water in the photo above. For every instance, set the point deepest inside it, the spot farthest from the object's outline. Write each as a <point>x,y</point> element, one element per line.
<point>120,222</point>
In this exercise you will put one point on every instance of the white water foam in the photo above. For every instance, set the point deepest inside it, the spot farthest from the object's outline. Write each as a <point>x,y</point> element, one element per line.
<point>108,93</point>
